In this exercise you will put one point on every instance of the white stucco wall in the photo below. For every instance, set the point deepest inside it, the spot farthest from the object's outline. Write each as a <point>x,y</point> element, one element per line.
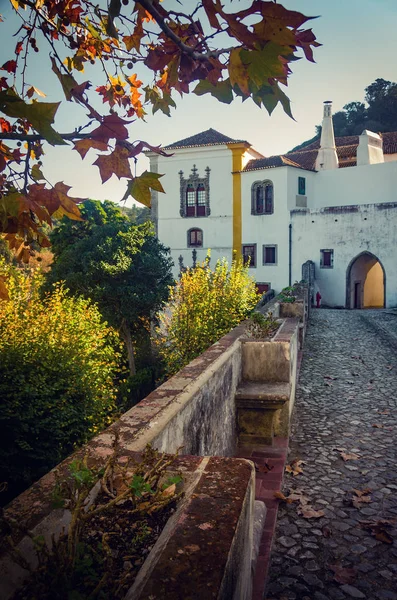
<point>217,228</point>
<point>348,231</point>
<point>267,229</point>
<point>364,184</point>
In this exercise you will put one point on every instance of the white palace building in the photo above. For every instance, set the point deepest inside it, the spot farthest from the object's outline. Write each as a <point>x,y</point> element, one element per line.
<point>333,203</point>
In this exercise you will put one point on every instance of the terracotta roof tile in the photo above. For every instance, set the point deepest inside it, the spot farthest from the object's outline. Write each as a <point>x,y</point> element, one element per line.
<point>210,137</point>
<point>346,148</point>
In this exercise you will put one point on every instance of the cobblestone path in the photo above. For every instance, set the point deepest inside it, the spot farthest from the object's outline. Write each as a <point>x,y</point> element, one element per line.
<point>346,402</point>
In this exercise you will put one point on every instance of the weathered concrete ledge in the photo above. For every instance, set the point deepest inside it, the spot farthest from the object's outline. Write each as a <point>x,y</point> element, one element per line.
<point>205,550</point>
<point>190,557</point>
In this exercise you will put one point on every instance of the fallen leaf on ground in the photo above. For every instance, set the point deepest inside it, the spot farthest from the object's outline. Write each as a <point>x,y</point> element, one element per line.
<point>294,497</point>
<point>383,412</point>
<point>326,532</point>
<point>379,529</point>
<point>361,497</point>
<point>378,426</point>
<point>264,468</point>
<point>330,377</point>
<point>308,512</point>
<point>343,574</point>
<point>346,456</point>
<point>294,468</point>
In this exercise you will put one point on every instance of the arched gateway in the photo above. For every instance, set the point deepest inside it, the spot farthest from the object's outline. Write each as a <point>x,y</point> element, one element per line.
<point>365,282</point>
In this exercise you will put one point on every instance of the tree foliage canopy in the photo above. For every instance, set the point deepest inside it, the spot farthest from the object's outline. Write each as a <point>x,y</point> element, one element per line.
<point>122,267</point>
<point>147,53</point>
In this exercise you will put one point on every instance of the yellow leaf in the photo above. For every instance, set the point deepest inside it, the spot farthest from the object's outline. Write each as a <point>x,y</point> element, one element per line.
<point>169,491</point>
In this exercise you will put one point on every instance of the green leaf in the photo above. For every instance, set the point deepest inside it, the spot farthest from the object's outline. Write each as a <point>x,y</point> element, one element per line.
<point>9,207</point>
<point>222,91</point>
<point>68,82</point>
<point>265,63</point>
<point>40,115</point>
<point>139,187</point>
<point>36,173</point>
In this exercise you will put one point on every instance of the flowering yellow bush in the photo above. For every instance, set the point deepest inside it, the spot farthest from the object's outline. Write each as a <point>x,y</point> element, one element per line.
<point>58,361</point>
<point>204,305</point>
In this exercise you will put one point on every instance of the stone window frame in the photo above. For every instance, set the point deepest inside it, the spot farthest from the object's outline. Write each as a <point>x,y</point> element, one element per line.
<point>197,183</point>
<point>270,264</point>
<point>189,242</point>
<point>266,183</point>
<point>253,263</point>
<point>260,284</point>
<point>329,251</point>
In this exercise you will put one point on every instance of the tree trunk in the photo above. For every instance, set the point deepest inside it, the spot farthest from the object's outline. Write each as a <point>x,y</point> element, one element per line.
<point>126,333</point>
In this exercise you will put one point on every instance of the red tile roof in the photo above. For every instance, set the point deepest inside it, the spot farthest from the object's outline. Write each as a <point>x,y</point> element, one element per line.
<point>210,137</point>
<point>346,148</point>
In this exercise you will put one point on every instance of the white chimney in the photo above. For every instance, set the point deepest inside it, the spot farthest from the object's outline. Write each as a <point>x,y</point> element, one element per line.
<point>369,149</point>
<point>327,158</point>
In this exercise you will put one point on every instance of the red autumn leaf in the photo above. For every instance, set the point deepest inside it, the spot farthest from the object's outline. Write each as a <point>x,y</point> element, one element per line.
<point>211,9</point>
<point>5,125</point>
<point>17,155</point>
<point>10,66</point>
<point>112,126</point>
<point>115,163</point>
<point>3,163</point>
<point>3,83</point>
<point>82,146</point>
<point>18,48</point>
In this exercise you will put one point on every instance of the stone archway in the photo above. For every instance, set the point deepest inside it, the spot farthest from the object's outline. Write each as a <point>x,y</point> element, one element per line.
<point>365,282</point>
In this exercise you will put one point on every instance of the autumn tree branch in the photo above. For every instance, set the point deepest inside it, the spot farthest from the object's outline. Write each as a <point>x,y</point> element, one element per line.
<point>200,56</point>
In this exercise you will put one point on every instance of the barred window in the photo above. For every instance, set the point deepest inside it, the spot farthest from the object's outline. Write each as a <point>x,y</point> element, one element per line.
<point>262,198</point>
<point>249,254</point>
<point>195,238</point>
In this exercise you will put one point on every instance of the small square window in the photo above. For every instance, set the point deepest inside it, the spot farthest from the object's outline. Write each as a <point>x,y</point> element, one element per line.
<point>263,287</point>
<point>326,259</point>
<point>269,255</point>
<point>249,254</point>
<point>302,186</point>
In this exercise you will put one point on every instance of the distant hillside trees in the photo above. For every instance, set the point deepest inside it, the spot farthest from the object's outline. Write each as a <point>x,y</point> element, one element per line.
<point>377,113</point>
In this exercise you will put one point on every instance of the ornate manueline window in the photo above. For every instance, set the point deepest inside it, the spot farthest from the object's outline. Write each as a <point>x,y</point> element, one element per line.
<point>262,198</point>
<point>195,194</point>
<point>195,238</point>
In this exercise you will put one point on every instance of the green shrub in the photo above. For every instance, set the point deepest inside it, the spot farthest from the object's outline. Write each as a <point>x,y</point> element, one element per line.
<point>58,361</point>
<point>205,304</point>
<point>135,388</point>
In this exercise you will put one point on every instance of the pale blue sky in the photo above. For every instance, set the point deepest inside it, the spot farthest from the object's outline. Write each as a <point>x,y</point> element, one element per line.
<point>359,45</point>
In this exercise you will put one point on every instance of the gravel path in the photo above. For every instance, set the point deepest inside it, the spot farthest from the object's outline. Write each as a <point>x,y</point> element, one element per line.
<point>346,404</point>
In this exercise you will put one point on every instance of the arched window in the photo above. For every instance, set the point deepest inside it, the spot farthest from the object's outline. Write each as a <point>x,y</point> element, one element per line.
<point>262,201</point>
<point>195,238</point>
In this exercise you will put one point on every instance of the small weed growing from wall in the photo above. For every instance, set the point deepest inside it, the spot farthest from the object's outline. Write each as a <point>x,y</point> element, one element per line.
<point>262,326</point>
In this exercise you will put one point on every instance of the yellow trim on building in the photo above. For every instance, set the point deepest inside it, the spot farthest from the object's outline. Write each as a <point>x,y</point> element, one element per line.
<point>237,166</point>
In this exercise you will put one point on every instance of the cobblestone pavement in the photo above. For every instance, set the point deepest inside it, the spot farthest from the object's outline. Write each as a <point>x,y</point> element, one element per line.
<point>346,402</point>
